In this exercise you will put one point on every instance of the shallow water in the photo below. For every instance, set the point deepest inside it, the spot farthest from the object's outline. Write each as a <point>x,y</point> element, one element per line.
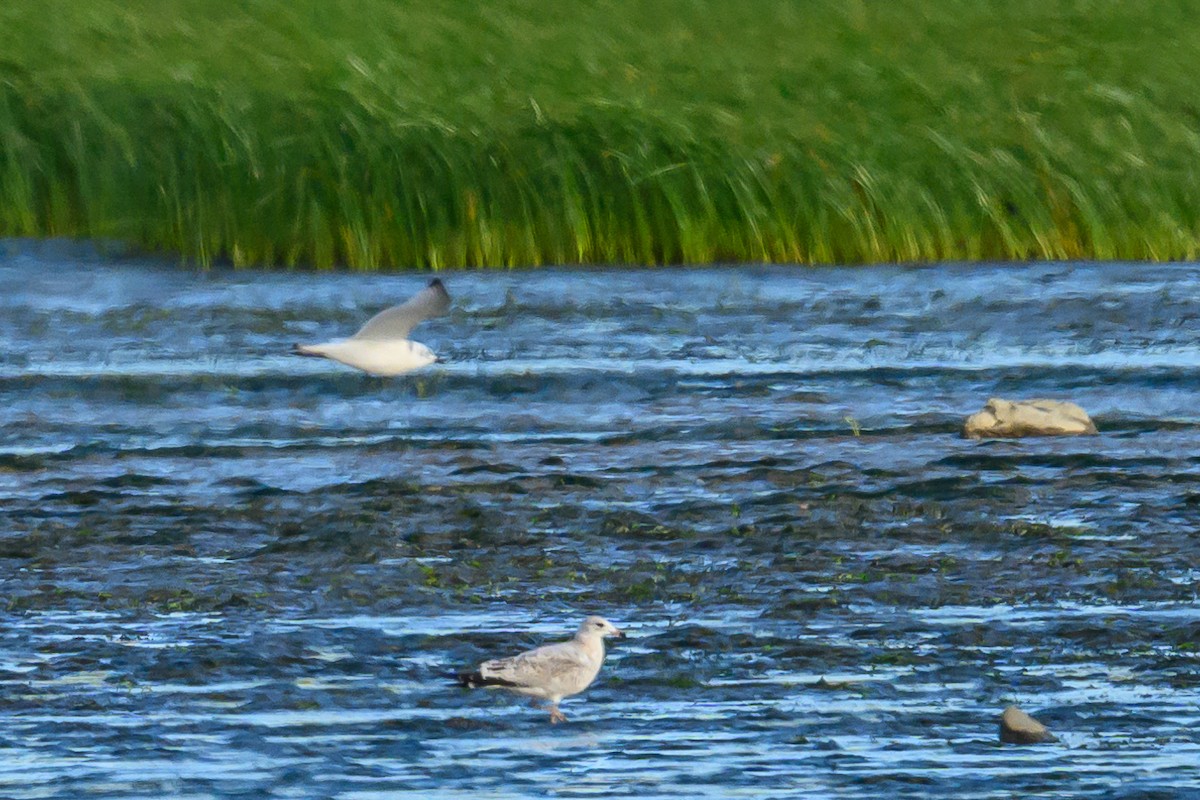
<point>229,572</point>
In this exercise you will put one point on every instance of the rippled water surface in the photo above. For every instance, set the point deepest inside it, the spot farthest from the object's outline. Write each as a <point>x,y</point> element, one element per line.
<point>225,571</point>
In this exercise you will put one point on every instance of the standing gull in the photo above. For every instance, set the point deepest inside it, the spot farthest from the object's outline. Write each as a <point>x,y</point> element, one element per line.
<point>551,672</point>
<point>382,347</point>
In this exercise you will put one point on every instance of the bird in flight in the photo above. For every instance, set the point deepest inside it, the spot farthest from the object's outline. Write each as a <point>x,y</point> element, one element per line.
<point>551,672</point>
<point>382,346</point>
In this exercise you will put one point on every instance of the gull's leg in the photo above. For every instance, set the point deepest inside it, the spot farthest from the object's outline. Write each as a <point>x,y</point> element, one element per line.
<point>556,716</point>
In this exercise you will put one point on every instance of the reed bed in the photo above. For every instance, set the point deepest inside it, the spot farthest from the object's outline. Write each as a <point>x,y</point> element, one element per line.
<point>392,134</point>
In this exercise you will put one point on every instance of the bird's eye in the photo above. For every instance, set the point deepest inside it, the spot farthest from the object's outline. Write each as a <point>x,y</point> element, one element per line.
<point>598,624</point>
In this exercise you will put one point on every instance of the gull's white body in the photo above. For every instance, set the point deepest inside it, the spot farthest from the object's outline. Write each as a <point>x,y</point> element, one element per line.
<point>378,357</point>
<point>551,672</point>
<point>381,346</point>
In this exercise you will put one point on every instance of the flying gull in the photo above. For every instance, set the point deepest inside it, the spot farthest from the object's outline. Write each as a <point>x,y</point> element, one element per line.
<point>382,347</point>
<point>551,672</point>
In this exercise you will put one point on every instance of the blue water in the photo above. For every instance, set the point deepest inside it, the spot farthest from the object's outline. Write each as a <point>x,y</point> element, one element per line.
<point>228,572</point>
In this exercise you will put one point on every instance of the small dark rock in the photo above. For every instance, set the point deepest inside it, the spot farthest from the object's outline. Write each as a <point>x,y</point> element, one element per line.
<point>1017,727</point>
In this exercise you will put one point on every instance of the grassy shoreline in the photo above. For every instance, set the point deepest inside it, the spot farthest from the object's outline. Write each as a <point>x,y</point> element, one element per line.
<point>394,135</point>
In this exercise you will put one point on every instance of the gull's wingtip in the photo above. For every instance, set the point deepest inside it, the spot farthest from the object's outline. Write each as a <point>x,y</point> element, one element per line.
<point>477,680</point>
<point>302,350</point>
<point>469,680</point>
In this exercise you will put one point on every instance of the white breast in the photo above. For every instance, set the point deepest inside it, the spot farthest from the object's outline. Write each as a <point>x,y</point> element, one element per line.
<point>386,358</point>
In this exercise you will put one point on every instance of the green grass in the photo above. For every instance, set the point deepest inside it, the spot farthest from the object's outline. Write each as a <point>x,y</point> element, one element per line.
<point>395,134</point>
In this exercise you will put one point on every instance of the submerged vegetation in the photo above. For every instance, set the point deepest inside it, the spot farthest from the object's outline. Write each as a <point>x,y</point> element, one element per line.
<point>387,133</point>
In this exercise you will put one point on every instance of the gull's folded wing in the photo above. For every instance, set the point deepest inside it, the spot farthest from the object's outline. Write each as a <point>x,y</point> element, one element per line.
<point>537,667</point>
<point>396,322</point>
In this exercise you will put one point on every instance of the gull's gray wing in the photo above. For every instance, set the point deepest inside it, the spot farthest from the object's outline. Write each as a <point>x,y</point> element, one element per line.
<point>396,322</point>
<point>543,667</point>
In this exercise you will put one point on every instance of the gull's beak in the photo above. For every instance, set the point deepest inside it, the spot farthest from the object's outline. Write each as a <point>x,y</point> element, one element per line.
<point>620,634</point>
<point>439,360</point>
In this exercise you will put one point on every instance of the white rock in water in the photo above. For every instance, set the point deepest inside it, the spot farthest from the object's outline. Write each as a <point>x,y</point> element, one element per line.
<point>1009,418</point>
<point>1017,727</point>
